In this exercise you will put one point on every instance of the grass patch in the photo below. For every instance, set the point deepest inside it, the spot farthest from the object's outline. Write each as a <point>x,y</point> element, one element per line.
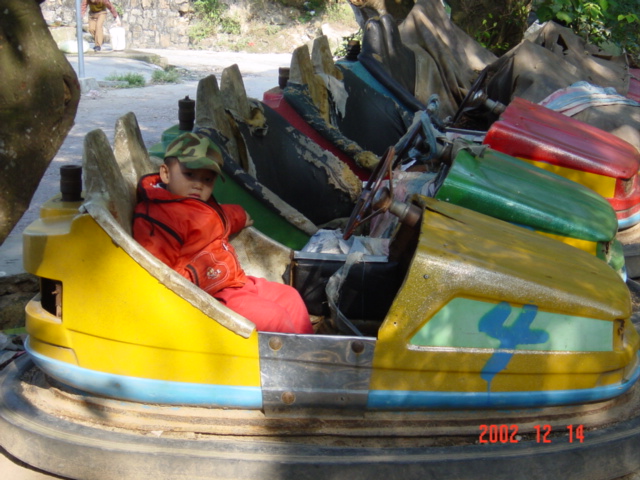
<point>169,75</point>
<point>343,49</point>
<point>339,12</point>
<point>213,17</point>
<point>15,331</point>
<point>273,29</point>
<point>132,79</point>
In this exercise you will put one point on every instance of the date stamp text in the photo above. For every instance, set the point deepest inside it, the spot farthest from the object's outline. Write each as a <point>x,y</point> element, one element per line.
<point>505,433</point>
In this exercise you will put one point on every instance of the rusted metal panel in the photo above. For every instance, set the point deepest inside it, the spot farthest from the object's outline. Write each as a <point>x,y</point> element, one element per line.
<point>311,371</point>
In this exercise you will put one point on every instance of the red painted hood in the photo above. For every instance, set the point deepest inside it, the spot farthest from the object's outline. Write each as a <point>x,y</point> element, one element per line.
<point>531,131</point>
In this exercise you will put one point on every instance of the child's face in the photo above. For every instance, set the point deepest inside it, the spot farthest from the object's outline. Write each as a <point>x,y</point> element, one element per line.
<point>186,182</point>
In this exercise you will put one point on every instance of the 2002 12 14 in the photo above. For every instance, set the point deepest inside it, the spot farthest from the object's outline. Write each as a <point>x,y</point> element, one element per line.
<point>504,433</point>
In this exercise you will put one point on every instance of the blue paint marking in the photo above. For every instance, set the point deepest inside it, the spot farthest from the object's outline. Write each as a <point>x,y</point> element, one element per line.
<point>519,333</point>
<point>412,400</point>
<point>146,390</point>
<point>629,221</point>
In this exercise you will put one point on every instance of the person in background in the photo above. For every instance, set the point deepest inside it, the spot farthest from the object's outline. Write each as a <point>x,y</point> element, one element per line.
<point>97,16</point>
<point>179,221</point>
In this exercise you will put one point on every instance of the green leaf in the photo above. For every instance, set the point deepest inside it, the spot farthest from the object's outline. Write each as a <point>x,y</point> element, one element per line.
<point>593,10</point>
<point>544,13</point>
<point>564,17</point>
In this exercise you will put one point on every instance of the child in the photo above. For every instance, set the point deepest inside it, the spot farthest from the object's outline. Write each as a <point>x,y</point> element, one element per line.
<point>180,222</point>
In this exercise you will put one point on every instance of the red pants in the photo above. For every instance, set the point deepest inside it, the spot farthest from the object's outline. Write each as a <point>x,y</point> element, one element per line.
<point>272,306</point>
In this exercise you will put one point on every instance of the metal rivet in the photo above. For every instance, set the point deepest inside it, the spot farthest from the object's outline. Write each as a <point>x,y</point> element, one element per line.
<point>357,346</point>
<point>288,398</point>
<point>426,277</point>
<point>275,343</point>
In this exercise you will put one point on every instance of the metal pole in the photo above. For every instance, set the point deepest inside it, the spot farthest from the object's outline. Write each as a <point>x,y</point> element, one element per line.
<point>80,41</point>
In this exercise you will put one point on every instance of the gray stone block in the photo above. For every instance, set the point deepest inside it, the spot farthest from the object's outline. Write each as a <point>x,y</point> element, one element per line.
<point>88,84</point>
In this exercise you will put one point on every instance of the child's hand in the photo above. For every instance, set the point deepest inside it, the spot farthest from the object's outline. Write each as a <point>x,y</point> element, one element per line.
<point>249,221</point>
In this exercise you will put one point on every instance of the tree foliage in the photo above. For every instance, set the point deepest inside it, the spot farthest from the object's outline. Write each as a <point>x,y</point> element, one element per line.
<point>598,21</point>
<point>497,26</point>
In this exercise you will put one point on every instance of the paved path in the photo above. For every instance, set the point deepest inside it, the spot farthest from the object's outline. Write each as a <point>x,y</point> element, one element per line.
<point>155,106</point>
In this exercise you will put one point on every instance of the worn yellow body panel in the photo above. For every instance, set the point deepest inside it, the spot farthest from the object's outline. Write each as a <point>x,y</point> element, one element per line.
<point>601,184</point>
<point>462,254</point>
<point>119,319</point>
<point>111,304</point>
<point>584,245</point>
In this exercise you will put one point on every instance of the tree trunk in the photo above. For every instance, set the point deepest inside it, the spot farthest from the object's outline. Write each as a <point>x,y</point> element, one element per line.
<point>39,95</point>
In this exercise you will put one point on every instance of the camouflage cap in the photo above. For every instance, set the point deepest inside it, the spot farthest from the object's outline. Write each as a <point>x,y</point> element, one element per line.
<point>195,151</point>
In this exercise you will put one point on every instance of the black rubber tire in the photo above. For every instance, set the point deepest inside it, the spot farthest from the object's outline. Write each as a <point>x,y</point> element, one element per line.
<point>61,447</point>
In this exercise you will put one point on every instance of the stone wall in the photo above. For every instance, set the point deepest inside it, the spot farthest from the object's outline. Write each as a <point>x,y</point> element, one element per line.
<point>147,23</point>
<point>266,26</point>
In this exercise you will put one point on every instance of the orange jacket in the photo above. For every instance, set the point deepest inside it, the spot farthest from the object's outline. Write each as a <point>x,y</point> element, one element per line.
<point>189,235</point>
